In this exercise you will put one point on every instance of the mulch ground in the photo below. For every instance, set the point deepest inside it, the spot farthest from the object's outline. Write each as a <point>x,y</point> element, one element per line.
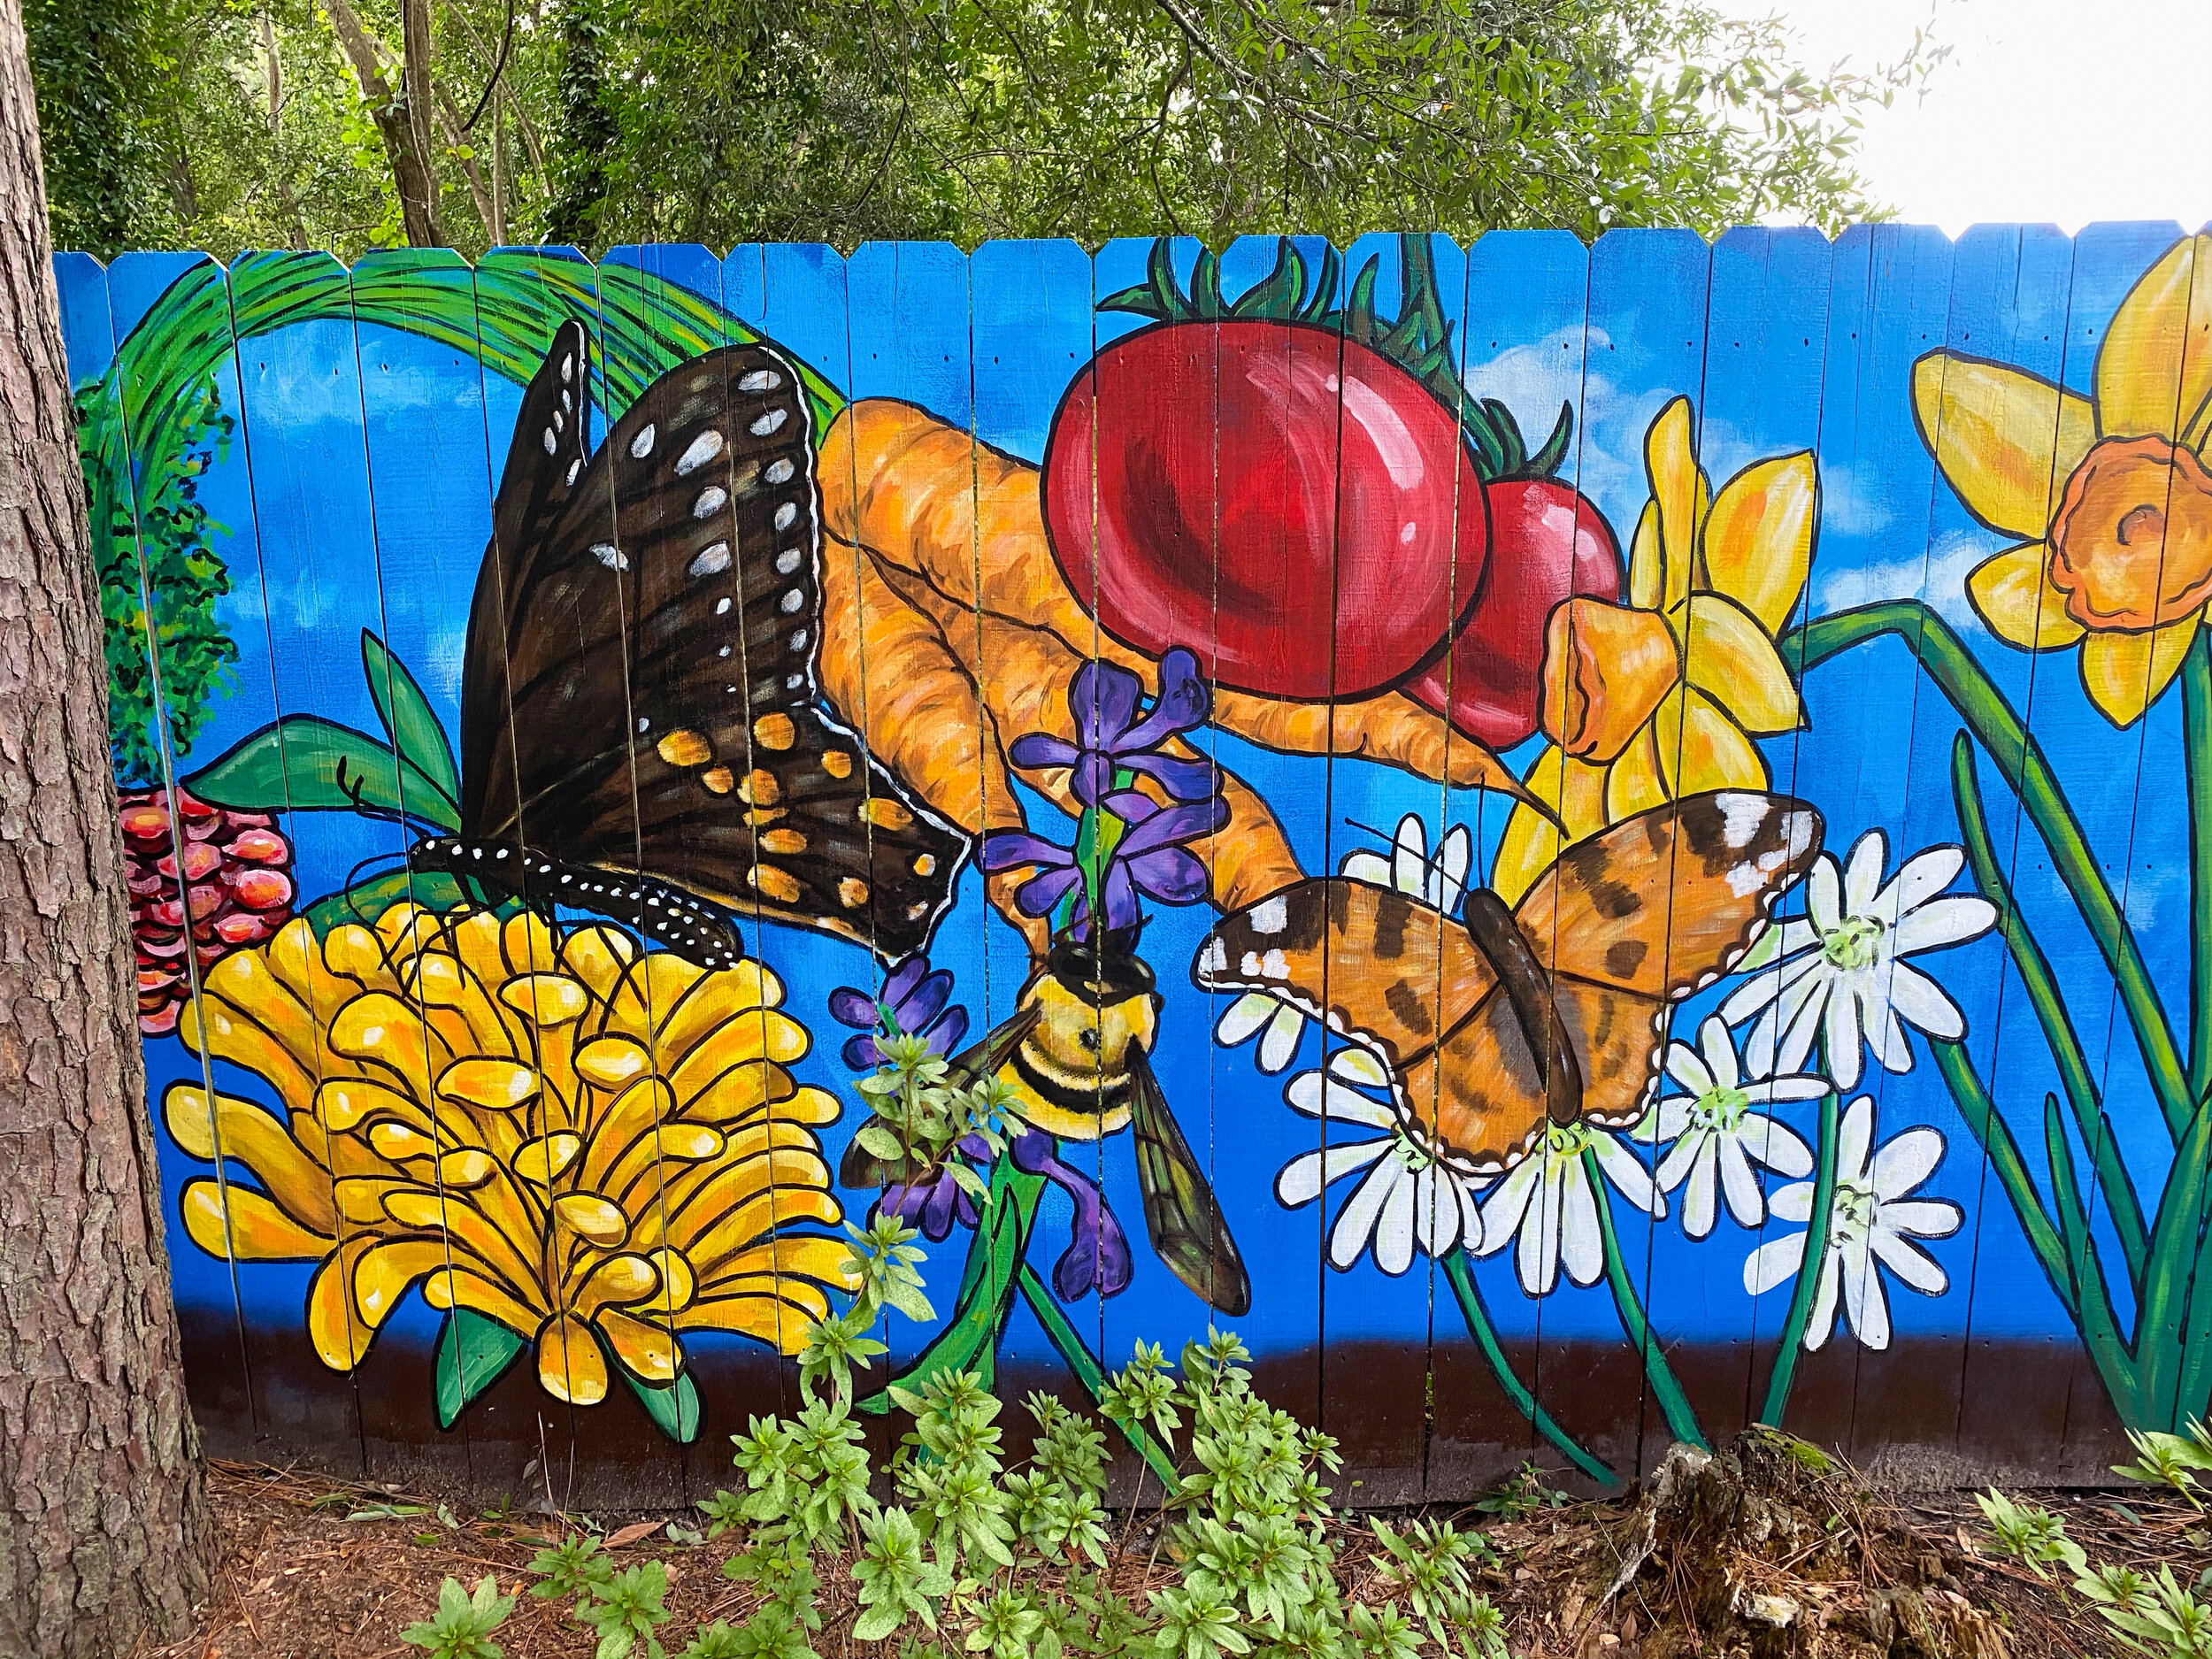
<point>311,1570</point>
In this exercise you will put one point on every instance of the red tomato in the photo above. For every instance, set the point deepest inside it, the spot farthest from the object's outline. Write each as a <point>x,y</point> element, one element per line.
<point>1329,479</point>
<point>1547,541</point>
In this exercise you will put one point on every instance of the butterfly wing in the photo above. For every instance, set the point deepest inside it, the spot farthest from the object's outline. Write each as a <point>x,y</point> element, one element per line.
<point>1488,1042</point>
<point>661,622</point>
<point>1660,906</point>
<point>1189,1231</point>
<point>1377,966</point>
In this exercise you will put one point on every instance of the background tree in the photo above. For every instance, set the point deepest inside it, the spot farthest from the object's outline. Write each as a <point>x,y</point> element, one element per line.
<point>105,1532</point>
<point>347,123</point>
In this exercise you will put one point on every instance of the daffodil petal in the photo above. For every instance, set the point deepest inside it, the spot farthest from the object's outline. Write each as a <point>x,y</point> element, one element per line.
<point>1679,490</point>
<point>1633,783</point>
<point>2012,595</point>
<point>2154,371</point>
<point>1531,841</point>
<point>1758,540</point>
<point>2005,439</point>
<point>1647,561</point>
<point>1730,658</point>
<point>1702,748</point>
<point>2124,674</point>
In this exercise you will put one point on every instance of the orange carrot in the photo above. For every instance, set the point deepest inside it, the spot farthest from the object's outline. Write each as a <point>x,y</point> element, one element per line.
<point>930,500</point>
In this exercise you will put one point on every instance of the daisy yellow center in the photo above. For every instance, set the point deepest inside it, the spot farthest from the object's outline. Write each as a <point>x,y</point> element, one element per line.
<point>1721,1109</point>
<point>1854,942</point>
<point>2132,541</point>
<point>1566,1141</point>
<point>1409,1152</point>
<point>1854,1214</point>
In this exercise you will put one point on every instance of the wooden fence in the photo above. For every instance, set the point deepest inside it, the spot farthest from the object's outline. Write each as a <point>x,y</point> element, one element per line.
<point>1473,799</point>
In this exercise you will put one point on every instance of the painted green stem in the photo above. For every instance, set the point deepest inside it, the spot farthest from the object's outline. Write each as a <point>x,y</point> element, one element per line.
<point>969,1341</point>
<point>2044,996</point>
<point>1460,1272</point>
<point>2196,728</point>
<point>1069,1346</point>
<point>1998,728</point>
<point>1806,1292</point>
<point>1674,1404</point>
<point>1994,1136</point>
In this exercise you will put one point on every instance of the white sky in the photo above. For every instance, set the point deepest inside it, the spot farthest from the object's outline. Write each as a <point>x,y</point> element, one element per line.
<point>2067,110</point>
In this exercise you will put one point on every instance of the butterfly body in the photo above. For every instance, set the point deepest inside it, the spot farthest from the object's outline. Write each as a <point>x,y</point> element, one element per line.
<point>642,733</point>
<point>1494,1028</point>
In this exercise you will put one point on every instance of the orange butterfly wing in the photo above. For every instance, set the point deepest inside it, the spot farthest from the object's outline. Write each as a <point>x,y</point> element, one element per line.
<point>1623,926</point>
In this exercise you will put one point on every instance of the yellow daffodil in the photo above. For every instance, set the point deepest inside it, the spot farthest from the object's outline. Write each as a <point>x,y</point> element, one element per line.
<point>1659,697</point>
<point>486,1109</point>
<point>2110,491</point>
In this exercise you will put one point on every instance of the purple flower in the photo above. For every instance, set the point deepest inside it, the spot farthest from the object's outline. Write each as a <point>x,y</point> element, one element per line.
<point>1149,858</point>
<point>933,1200</point>
<point>1098,1256</point>
<point>1109,735</point>
<point>912,1001</point>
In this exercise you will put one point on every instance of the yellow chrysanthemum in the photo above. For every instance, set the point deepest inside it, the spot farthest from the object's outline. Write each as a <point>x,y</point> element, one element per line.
<point>486,1109</point>
<point>2111,493</point>
<point>1659,697</point>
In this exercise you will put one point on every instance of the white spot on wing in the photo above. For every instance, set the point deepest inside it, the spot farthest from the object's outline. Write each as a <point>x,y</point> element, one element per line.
<point>551,443</point>
<point>709,502</point>
<point>1214,960</point>
<point>1741,816</point>
<point>715,560</point>
<point>701,449</point>
<point>641,445</point>
<point>610,556</point>
<point>787,560</point>
<point>786,514</point>
<point>1271,916</point>
<point>779,472</point>
<point>770,422</point>
<point>760,381</point>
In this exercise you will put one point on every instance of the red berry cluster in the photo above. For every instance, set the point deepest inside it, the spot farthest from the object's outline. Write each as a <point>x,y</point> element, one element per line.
<point>235,876</point>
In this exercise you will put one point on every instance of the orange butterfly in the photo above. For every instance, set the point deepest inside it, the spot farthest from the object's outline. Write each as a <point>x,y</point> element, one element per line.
<point>1492,1027</point>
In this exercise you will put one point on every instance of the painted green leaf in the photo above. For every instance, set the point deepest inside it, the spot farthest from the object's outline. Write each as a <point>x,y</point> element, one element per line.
<point>305,763</point>
<point>416,730</point>
<point>366,901</point>
<point>675,1408</point>
<point>473,1353</point>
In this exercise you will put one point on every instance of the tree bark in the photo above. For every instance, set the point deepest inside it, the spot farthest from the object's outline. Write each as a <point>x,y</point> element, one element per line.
<point>105,1539</point>
<point>406,139</point>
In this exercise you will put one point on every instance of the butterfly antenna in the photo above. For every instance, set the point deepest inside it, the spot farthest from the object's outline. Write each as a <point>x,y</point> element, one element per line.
<point>1369,829</point>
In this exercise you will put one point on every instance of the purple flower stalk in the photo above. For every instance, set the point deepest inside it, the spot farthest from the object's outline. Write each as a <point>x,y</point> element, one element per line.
<point>1098,1256</point>
<point>1109,737</point>
<point>933,1200</point>
<point>912,1003</point>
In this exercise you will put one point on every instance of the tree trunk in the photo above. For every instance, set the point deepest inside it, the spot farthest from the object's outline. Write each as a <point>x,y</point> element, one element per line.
<point>105,1539</point>
<point>406,143</point>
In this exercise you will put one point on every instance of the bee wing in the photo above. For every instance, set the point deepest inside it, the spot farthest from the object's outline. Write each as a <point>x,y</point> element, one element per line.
<point>983,1058</point>
<point>860,1168</point>
<point>1188,1228</point>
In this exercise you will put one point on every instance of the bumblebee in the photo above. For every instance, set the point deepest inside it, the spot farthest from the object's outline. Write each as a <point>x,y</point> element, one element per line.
<point>1076,1055</point>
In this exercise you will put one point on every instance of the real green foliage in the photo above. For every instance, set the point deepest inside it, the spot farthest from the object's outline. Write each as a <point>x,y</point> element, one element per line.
<point>979,1558</point>
<point>462,1626</point>
<point>840,121</point>
<point>2160,1617</point>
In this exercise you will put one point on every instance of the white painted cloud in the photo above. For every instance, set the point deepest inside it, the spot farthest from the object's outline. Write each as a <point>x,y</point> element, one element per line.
<point>1938,576</point>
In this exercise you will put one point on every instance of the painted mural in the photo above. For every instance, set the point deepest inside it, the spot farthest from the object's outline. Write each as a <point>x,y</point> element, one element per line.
<point>1588,845</point>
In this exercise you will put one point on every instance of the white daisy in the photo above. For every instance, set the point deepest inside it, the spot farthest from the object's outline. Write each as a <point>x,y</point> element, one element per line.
<point>1410,1198</point>
<point>1873,1223</point>
<point>1439,881</point>
<point>1546,1205</point>
<point>1841,970</point>
<point>1717,1137</point>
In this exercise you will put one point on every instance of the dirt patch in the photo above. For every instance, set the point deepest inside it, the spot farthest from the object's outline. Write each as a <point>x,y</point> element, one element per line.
<point>1769,1551</point>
